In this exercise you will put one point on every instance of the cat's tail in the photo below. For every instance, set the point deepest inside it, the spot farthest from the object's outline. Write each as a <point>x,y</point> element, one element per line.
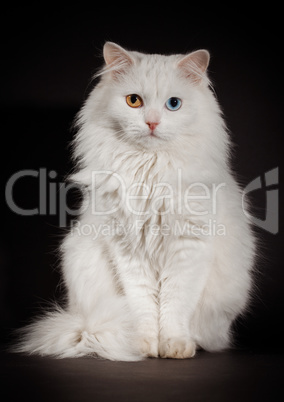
<point>109,335</point>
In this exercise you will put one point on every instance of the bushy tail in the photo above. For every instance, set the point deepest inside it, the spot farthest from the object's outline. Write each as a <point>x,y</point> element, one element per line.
<point>108,334</point>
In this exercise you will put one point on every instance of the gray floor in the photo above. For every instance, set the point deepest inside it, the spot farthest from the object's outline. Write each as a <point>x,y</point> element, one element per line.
<point>230,376</point>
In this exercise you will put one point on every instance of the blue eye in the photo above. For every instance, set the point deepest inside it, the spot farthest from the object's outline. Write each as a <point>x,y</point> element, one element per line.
<point>173,104</point>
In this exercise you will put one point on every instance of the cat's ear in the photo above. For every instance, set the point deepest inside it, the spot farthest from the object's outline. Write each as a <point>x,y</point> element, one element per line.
<point>116,58</point>
<point>194,65</point>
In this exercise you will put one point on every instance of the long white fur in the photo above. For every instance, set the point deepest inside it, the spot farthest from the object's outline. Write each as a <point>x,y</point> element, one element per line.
<point>142,293</point>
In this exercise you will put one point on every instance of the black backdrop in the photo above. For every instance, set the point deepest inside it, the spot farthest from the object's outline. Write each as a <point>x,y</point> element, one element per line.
<point>48,56</point>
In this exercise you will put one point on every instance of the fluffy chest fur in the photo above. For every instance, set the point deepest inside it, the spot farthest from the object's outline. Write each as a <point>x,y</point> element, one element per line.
<point>151,201</point>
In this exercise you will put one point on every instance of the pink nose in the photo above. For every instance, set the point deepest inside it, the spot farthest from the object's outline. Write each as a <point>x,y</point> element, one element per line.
<point>152,125</point>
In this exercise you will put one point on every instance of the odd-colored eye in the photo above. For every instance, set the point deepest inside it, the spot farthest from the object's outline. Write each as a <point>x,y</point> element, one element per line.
<point>134,100</point>
<point>173,104</point>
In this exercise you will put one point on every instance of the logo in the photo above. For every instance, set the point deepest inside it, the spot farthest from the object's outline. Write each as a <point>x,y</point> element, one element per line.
<point>197,200</point>
<point>271,221</point>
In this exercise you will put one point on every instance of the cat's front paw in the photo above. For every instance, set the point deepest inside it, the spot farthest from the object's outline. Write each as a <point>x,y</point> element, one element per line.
<point>149,346</point>
<point>177,348</point>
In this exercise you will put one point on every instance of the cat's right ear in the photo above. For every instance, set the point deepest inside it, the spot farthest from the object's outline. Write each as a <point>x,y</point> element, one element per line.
<point>116,58</point>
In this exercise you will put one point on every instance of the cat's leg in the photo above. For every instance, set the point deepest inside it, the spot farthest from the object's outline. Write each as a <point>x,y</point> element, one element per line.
<point>140,286</point>
<point>227,291</point>
<point>108,325</point>
<point>182,283</point>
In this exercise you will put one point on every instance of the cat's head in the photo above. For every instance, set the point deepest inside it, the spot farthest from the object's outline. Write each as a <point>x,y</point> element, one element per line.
<point>151,100</point>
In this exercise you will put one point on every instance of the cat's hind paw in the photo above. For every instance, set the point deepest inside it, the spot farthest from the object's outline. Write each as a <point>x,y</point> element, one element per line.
<point>149,346</point>
<point>177,348</point>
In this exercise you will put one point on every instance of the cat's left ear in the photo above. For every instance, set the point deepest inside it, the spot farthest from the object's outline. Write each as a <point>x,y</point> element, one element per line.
<point>116,58</point>
<point>194,65</point>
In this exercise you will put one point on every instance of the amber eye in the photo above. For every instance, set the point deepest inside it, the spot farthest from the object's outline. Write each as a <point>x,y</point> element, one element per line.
<point>134,100</point>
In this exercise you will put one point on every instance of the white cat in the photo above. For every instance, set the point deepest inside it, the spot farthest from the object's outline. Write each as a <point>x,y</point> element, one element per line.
<point>160,261</point>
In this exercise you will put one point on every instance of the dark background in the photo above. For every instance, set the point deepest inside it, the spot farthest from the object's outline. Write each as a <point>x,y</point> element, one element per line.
<point>48,56</point>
